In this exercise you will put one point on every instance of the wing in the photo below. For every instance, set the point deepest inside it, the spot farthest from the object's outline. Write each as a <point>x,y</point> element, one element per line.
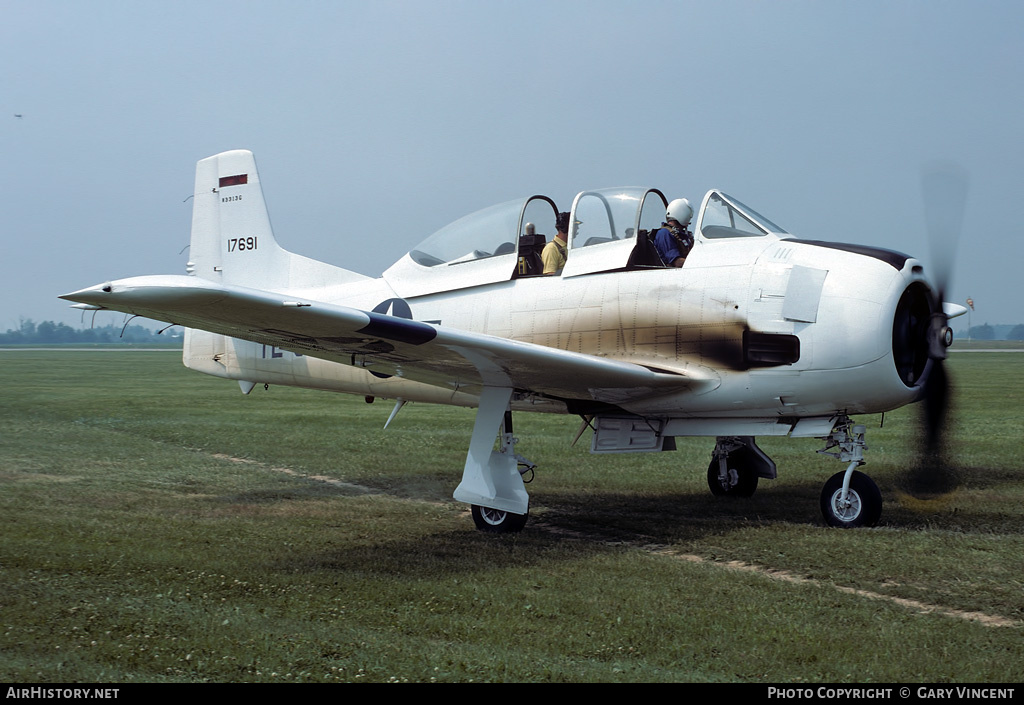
<point>437,355</point>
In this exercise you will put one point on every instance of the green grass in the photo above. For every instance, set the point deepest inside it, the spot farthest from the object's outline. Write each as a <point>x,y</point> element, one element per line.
<point>137,547</point>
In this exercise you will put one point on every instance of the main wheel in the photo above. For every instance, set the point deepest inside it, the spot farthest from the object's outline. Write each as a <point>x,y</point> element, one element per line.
<point>863,504</point>
<point>741,480</point>
<point>496,521</point>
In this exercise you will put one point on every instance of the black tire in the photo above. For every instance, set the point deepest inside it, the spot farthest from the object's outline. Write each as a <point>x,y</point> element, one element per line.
<point>864,506</point>
<point>742,476</point>
<point>496,521</point>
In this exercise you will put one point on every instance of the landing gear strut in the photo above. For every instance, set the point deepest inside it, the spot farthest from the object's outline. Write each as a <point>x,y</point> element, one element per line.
<point>492,480</point>
<point>736,463</point>
<point>850,498</point>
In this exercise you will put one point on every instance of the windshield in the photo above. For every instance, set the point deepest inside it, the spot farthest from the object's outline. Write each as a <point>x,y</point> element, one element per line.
<point>724,216</point>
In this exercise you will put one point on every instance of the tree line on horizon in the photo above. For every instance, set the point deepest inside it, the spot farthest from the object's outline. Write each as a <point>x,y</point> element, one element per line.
<point>987,332</point>
<point>50,333</point>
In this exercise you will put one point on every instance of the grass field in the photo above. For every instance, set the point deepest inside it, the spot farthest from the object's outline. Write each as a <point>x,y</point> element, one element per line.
<point>160,526</point>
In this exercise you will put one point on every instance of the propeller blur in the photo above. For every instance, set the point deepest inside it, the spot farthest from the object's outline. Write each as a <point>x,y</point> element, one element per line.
<point>944,187</point>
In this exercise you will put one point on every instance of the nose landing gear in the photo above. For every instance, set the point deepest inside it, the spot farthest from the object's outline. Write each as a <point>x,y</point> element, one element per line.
<point>850,498</point>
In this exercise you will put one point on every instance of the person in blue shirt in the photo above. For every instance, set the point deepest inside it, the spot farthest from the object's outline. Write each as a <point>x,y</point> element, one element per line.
<point>674,241</point>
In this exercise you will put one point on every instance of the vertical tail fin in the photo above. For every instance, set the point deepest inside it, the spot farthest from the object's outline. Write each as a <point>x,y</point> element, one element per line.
<point>232,241</point>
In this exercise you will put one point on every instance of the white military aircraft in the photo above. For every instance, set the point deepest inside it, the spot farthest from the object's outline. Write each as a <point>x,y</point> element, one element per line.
<point>758,334</point>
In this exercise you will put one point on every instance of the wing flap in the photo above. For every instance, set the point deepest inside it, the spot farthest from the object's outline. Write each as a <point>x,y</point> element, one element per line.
<point>390,345</point>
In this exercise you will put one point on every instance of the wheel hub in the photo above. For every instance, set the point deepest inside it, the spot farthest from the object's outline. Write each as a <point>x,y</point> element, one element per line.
<point>846,509</point>
<point>493,517</point>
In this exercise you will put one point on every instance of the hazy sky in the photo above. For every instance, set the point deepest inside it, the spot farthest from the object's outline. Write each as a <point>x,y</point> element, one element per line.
<point>375,123</point>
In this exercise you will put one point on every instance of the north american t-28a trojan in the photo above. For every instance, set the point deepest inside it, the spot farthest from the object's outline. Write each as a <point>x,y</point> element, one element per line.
<point>759,333</point>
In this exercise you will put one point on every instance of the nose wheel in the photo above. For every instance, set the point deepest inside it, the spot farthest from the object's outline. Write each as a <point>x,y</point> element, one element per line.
<point>859,505</point>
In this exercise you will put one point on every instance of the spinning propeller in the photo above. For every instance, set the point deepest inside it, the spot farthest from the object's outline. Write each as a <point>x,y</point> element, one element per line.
<point>945,194</point>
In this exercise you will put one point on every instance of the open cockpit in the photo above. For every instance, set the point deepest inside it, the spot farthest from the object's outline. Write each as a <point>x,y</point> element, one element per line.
<point>609,230</point>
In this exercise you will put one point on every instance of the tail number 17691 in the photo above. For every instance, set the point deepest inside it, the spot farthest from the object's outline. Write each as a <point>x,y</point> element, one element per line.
<point>241,244</point>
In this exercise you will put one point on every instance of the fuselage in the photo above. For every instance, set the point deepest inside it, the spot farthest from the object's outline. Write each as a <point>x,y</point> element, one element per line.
<point>782,328</point>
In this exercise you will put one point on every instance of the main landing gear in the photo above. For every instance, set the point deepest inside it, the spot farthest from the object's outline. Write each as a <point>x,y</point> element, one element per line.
<point>492,480</point>
<point>736,464</point>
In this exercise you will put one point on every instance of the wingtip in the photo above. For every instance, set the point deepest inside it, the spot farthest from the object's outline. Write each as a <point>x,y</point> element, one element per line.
<point>89,296</point>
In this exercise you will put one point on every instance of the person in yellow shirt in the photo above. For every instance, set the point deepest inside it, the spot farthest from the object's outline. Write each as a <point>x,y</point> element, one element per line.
<point>553,254</point>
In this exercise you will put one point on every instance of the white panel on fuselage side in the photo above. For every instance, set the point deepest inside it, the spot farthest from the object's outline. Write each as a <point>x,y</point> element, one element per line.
<point>803,294</point>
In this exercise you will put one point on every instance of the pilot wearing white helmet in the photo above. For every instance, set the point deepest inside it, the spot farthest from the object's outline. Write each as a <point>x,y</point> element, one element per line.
<point>674,241</point>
